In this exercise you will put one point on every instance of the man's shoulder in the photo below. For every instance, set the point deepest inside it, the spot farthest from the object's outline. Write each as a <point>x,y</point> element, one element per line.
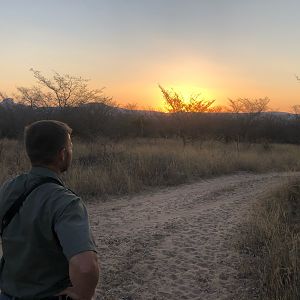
<point>59,197</point>
<point>14,185</point>
<point>55,194</point>
<point>10,190</point>
<point>16,179</point>
<point>61,193</point>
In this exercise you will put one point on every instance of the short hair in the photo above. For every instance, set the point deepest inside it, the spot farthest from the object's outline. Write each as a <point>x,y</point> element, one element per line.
<point>44,139</point>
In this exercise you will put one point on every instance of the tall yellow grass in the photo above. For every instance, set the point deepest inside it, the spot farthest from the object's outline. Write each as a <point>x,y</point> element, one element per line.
<point>271,244</point>
<point>101,167</point>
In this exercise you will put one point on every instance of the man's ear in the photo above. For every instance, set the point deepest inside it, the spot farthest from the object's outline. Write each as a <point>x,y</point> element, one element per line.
<point>62,154</point>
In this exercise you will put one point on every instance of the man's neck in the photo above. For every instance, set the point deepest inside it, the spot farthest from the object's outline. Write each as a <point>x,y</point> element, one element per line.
<point>53,168</point>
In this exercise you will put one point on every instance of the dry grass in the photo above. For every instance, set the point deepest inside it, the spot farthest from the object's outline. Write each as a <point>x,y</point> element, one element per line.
<point>271,244</point>
<point>12,159</point>
<point>102,168</point>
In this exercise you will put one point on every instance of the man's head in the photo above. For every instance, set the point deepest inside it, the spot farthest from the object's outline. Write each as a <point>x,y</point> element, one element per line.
<point>48,143</point>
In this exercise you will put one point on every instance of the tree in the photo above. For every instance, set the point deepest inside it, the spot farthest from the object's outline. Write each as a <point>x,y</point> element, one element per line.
<point>249,106</point>
<point>296,111</point>
<point>247,112</point>
<point>3,95</point>
<point>130,106</point>
<point>61,91</point>
<point>33,97</point>
<point>183,113</point>
<point>175,103</point>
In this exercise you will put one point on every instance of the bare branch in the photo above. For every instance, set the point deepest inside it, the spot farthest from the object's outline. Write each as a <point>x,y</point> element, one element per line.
<point>66,90</point>
<point>246,105</point>
<point>34,96</point>
<point>3,95</point>
<point>174,102</point>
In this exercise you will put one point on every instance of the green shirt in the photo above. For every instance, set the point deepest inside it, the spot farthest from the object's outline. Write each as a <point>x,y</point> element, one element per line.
<point>51,227</point>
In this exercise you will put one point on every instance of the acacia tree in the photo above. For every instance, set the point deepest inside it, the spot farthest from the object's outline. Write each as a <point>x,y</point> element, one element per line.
<point>296,108</point>
<point>251,107</point>
<point>174,102</point>
<point>61,91</point>
<point>181,111</point>
<point>296,111</point>
<point>33,97</point>
<point>247,111</point>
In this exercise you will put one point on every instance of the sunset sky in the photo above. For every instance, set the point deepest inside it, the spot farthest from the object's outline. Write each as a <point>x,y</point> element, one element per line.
<point>220,48</point>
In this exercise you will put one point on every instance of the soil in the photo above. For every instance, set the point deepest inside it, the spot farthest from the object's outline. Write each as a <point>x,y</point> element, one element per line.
<point>178,242</point>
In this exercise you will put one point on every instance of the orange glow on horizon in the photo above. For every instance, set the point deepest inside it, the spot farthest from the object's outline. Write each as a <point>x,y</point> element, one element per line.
<point>186,91</point>
<point>145,93</point>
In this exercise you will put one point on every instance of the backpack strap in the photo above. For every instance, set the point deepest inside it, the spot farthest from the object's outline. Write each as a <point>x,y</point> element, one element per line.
<point>15,207</point>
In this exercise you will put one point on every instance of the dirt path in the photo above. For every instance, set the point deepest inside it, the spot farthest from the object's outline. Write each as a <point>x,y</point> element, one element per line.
<point>176,243</point>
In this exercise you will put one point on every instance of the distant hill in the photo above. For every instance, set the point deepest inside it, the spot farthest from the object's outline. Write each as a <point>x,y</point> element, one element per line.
<point>7,102</point>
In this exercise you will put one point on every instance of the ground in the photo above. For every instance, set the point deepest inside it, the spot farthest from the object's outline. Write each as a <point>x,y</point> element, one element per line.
<point>179,242</point>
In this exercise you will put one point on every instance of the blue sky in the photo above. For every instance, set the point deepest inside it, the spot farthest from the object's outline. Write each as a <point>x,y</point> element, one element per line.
<point>224,49</point>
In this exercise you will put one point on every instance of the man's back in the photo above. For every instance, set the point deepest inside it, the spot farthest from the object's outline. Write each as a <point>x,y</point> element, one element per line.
<point>50,228</point>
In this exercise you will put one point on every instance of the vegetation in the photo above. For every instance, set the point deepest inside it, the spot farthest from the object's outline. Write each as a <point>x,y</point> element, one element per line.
<point>175,103</point>
<point>92,115</point>
<point>59,91</point>
<point>103,167</point>
<point>245,114</point>
<point>93,120</point>
<point>271,244</point>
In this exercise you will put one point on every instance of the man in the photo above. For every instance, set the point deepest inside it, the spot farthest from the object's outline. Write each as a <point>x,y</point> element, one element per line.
<point>48,249</point>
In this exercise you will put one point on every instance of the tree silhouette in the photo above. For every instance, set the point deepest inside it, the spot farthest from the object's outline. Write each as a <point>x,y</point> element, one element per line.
<point>250,106</point>
<point>61,91</point>
<point>174,102</point>
<point>182,112</point>
<point>246,111</point>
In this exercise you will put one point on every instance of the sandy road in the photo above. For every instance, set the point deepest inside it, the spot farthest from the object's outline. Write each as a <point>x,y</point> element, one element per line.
<point>176,243</point>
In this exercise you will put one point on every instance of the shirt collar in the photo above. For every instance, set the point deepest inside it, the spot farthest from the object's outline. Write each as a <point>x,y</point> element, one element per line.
<point>45,172</point>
